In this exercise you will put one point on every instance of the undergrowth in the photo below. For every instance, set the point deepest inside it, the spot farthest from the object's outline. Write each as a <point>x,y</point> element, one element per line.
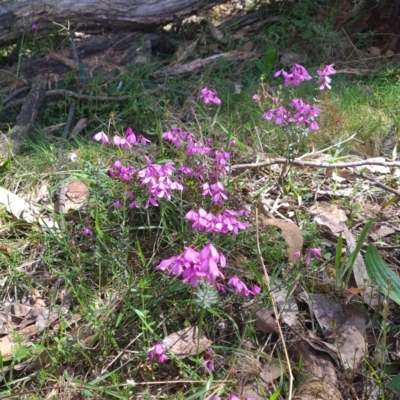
<point>165,239</point>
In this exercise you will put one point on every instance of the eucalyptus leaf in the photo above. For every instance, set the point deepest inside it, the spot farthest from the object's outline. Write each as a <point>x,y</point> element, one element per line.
<point>381,274</point>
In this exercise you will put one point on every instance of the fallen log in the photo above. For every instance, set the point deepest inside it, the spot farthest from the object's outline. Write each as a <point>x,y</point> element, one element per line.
<point>18,18</point>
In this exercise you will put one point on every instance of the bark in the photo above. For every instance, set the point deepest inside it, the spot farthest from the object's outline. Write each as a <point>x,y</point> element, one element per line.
<point>16,18</point>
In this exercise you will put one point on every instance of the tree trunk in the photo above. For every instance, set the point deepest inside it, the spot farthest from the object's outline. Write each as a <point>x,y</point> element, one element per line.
<point>17,18</point>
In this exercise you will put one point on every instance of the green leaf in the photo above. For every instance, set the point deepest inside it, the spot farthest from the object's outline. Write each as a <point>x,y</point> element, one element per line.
<point>394,384</point>
<point>270,60</point>
<point>261,67</point>
<point>383,276</point>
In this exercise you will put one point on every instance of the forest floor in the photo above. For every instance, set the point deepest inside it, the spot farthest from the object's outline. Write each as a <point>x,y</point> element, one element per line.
<point>178,221</point>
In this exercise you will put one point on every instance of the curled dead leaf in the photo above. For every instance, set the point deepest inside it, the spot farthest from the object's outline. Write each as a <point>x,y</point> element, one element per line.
<point>186,342</point>
<point>291,234</point>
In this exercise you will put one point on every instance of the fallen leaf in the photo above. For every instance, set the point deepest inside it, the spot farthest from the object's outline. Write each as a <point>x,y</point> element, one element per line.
<point>264,321</point>
<point>352,346</point>
<point>186,342</point>
<point>248,46</point>
<point>19,208</point>
<point>345,325</point>
<point>80,125</point>
<point>287,305</point>
<point>329,210</point>
<point>215,32</point>
<point>269,373</point>
<point>291,234</point>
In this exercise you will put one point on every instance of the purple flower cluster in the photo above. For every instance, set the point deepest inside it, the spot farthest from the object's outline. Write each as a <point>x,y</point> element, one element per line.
<point>157,179</point>
<point>323,73</point>
<point>209,97</point>
<point>301,113</point>
<point>241,287</point>
<point>226,222</point>
<point>297,75</point>
<point>158,351</point>
<point>194,265</point>
<point>124,143</point>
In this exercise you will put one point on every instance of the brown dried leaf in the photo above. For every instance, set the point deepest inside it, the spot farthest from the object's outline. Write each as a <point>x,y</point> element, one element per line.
<point>345,324</point>
<point>248,46</point>
<point>318,377</point>
<point>185,342</point>
<point>7,343</point>
<point>5,250</point>
<point>291,234</point>
<point>76,195</point>
<point>330,210</point>
<point>215,32</point>
<point>269,373</point>
<point>287,305</point>
<point>264,321</point>
<point>80,125</point>
<point>252,391</point>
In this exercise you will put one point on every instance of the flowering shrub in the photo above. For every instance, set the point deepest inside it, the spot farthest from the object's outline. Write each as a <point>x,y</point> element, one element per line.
<point>198,174</point>
<point>300,113</point>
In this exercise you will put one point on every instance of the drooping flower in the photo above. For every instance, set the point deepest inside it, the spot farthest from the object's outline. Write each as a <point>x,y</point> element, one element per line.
<point>159,351</point>
<point>73,157</point>
<point>239,286</point>
<point>324,80</point>
<point>209,96</point>
<point>86,231</point>
<point>209,365</point>
<point>312,252</point>
<point>101,137</point>
<point>297,75</point>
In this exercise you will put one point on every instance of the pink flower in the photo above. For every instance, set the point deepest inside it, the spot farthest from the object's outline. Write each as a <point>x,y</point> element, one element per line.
<point>316,252</point>
<point>101,137</point>
<point>193,265</point>
<point>159,351</point>
<point>239,285</point>
<point>86,231</point>
<point>233,397</point>
<point>256,290</point>
<point>297,75</point>
<point>73,157</point>
<point>324,80</point>
<point>209,365</point>
<point>34,27</point>
<point>209,96</point>
<point>256,98</point>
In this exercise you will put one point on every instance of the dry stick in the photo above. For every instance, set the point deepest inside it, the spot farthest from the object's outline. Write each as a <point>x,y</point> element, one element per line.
<point>276,312</point>
<point>377,183</point>
<point>311,164</point>
<point>15,93</point>
<point>355,48</point>
<point>333,146</point>
<point>79,96</point>
<point>31,104</point>
<point>63,189</point>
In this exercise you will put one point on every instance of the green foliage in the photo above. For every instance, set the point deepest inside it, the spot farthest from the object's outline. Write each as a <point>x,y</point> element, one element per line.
<point>381,275</point>
<point>268,63</point>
